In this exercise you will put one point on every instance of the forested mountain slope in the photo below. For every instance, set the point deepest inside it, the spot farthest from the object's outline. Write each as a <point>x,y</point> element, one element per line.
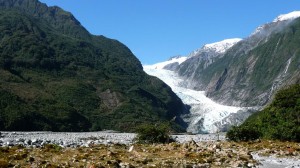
<point>280,120</point>
<point>55,75</point>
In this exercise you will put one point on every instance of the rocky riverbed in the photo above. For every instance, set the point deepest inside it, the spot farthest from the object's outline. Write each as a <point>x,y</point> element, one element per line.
<point>76,139</point>
<point>111,149</point>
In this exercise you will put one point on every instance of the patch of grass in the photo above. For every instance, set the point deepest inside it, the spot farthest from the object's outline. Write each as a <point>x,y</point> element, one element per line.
<point>52,148</point>
<point>4,163</point>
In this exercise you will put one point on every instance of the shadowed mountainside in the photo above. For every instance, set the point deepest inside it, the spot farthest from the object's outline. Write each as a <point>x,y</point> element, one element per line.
<point>55,75</point>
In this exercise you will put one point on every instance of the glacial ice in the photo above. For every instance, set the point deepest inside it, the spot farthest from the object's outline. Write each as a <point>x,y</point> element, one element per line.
<point>204,112</point>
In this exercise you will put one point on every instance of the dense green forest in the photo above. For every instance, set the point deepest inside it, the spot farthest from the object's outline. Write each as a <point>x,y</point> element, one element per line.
<point>55,75</point>
<point>279,121</point>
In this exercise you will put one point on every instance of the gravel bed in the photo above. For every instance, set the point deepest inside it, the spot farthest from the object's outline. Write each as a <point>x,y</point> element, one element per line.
<point>64,139</point>
<point>76,139</point>
<point>276,162</point>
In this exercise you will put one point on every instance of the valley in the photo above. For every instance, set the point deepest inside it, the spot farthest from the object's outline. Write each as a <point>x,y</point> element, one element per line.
<point>206,116</point>
<point>69,98</point>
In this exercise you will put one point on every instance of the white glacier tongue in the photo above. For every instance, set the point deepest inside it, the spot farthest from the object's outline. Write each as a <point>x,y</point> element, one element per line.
<point>289,16</point>
<point>161,65</point>
<point>204,112</point>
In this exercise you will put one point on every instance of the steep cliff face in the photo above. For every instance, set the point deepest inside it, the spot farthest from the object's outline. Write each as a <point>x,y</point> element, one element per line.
<point>251,71</point>
<point>200,59</point>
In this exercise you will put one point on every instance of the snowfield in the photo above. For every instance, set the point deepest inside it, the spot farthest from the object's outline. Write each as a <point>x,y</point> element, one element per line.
<point>288,16</point>
<point>204,112</point>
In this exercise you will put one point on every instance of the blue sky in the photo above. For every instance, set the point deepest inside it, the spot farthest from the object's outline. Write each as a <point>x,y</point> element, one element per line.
<point>155,30</point>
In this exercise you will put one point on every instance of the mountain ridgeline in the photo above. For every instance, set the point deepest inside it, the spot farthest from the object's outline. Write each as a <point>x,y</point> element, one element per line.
<point>251,71</point>
<point>56,76</point>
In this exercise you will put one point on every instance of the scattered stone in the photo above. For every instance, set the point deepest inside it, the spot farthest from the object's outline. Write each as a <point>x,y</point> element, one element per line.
<point>118,151</point>
<point>131,148</point>
<point>17,166</point>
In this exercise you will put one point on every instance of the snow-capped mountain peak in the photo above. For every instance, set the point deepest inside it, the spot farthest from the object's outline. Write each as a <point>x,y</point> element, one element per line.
<point>289,16</point>
<point>217,47</point>
<point>223,45</point>
<point>277,24</point>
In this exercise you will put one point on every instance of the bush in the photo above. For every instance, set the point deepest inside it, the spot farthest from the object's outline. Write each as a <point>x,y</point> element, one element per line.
<point>242,134</point>
<point>158,133</point>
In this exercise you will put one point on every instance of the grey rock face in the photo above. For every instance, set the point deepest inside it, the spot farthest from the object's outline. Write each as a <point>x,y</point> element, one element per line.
<point>110,99</point>
<point>172,67</point>
<point>251,71</point>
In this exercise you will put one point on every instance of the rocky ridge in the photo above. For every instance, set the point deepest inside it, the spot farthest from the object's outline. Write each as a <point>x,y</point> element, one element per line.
<point>252,70</point>
<point>246,72</point>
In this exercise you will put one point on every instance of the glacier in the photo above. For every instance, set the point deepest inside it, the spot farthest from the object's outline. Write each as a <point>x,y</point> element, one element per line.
<point>205,114</point>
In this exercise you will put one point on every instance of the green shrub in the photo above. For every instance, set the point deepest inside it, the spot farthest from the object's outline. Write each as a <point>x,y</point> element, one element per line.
<point>158,133</point>
<point>242,134</point>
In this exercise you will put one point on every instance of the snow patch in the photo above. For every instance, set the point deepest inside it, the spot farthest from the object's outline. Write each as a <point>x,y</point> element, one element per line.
<point>258,29</point>
<point>218,47</point>
<point>222,46</point>
<point>280,18</point>
<point>161,65</point>
<point>289,16</point>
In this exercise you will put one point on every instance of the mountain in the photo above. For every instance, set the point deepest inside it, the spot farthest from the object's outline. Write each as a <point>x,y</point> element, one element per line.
<point>227,81</point>
<point>253,69</point>
<point>201,58</point>
<point>56,76</point>
<point>204,56</point>
<point>205,115</point>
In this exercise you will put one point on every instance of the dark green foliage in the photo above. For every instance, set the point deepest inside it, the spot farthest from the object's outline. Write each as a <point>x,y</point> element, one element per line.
<point>242,134</point>
<point>16,114</point>
<point>52,148</point>
<point>55,76</point>
<point>154,133</point>
<point>279,121</point>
